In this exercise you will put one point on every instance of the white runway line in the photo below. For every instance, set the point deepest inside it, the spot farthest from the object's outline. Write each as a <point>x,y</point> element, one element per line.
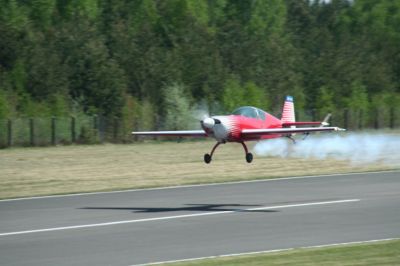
<point>175,217</point>
<point>269,251</point>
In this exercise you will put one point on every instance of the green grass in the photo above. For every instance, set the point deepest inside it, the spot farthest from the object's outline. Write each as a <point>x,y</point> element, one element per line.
<point>380,253</point>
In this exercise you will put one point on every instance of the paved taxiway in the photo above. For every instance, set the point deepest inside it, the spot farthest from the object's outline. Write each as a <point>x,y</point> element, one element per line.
<point>143,226</point>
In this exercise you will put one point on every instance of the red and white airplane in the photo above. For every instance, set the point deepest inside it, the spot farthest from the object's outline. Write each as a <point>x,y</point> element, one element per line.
<point>248,124</point>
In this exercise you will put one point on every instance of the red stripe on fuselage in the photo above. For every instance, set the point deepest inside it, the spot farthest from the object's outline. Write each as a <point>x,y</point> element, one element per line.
<point>239,123</point>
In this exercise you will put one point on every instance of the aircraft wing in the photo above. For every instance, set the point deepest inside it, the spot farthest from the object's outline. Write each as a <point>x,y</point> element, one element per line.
<point>272,131</point>
<point>181,133</point>
<point>289,124</point>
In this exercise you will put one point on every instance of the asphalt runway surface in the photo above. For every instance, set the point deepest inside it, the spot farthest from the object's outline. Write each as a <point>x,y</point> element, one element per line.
<point>145,226</point>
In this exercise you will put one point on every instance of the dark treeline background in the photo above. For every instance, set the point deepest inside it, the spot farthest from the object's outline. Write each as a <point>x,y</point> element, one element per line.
<point>152,62</point>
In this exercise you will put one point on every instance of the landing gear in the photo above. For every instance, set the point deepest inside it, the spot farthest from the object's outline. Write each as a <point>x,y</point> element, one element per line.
<point>249,156</point>
<point>291,138</point>
<point>208,157</point>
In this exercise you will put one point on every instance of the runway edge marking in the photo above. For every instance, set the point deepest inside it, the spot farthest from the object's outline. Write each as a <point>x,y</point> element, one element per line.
<point>268,251</point>
<point>199,185</point>
<point>174,217</point>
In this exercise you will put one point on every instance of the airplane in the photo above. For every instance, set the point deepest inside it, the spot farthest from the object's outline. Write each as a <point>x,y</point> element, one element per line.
<point>248,123</point>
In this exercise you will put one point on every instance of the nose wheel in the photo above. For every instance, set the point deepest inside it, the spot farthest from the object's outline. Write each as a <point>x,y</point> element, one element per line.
<point>208,157</point>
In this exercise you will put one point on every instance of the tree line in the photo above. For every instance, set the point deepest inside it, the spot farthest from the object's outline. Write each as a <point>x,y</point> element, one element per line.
<point>153,63</point>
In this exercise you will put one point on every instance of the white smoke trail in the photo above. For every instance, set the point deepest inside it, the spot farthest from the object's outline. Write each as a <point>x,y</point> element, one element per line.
<point>358,148</point>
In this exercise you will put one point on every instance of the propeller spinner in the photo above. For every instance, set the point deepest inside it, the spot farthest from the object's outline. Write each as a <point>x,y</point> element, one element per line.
<point>210,122</point>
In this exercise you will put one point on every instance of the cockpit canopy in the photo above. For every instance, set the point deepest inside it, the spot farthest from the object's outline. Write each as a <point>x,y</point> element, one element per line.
<point>249,111</point>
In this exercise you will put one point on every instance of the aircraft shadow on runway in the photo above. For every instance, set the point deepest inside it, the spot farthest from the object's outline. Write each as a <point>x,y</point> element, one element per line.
<point>186,207</point>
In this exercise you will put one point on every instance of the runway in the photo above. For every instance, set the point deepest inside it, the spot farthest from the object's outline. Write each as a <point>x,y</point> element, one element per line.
<point>146,226</point>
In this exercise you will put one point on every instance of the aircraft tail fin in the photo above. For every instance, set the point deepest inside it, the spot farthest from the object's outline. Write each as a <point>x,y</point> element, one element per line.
<point>288,115</point>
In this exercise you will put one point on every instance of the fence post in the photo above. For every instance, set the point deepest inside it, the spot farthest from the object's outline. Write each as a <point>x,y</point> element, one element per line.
<point>297,115</point>
<point>102,124</point>
<point>95,122</point>
<point>346,118</point>
<point>32,131</point>
<point>135,127</point>
<point>314,115</point>
<point>73,129</point>
<point>53,131</point>
<point>376,118</point>
<point>392,118</point>
<point>96,125</point>
<point>9,133</point>
<point>115,129</point>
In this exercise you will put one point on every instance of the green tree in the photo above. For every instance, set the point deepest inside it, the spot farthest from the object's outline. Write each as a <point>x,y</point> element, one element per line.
<point>96,80</point>
<point>46,75</point>
<point>95,56</point>
<point>148,116</point>
<point>42,12</point>
<point>177,107</point>
<point>19,76</point>
<point>255,96</point>
<point>79,8</point>
<point>59,105</point>
<point>28,107</point>
<point>358,99</point>
<point>233,95</point>
<point>14,14</point>
<point>4,106</point>
<point>381,106</point>
<point>325,101</point>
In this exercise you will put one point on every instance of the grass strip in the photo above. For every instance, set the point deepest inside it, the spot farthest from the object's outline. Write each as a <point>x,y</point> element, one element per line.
<point>372,254</point>
<point>26,172</point>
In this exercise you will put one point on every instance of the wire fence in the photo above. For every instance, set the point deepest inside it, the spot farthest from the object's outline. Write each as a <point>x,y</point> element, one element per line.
<point>357,119</point>
<point>62,131</point>
<point>97,129</point>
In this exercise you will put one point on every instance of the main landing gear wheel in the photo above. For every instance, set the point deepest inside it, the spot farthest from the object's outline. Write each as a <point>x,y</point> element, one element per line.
<point>207,158</point>
<point>249,157</point>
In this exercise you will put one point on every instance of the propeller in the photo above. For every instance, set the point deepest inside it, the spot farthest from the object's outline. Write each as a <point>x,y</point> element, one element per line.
<point>200,110</point>
<point>210,122</point>
<point>205,119</point>
<point>202,113</point>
